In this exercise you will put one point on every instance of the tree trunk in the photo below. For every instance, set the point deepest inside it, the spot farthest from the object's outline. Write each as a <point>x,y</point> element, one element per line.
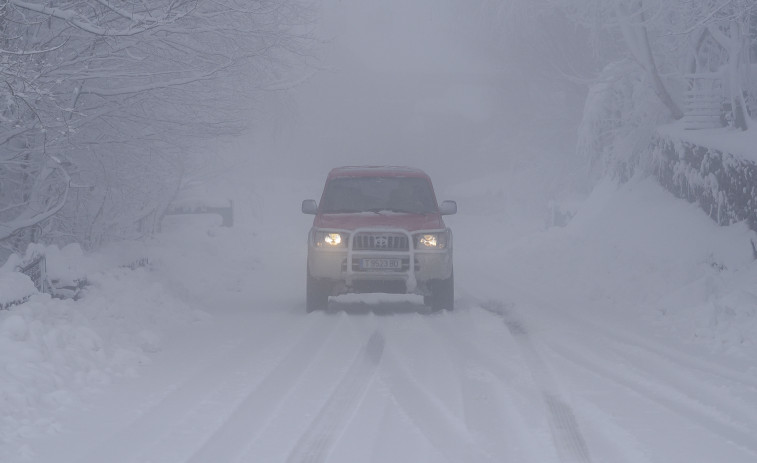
<point>733,44</point>
<point>659,86</point>
<point>637,40</point>
<point>735,53</point>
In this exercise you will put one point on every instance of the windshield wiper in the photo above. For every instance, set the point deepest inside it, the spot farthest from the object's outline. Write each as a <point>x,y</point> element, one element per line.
<point>375,210</point>
<point>341,211</point>
<point>379,210</point>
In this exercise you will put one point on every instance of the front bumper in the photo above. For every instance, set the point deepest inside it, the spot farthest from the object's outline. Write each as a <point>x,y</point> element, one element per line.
<point>341,267</point>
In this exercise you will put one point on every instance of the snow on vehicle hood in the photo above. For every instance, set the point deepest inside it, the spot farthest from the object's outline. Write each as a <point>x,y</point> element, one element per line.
<point>409,222</point>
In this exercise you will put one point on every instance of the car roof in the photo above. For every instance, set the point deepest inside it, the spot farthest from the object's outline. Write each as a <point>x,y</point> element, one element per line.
<point>377,171</point>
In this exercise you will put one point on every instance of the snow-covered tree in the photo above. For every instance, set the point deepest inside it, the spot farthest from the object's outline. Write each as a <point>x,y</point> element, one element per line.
<point>721,34</point>
<point>667,41</point>
<point>108,101</point>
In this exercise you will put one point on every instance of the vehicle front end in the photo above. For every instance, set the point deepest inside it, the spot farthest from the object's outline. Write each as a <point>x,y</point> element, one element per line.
<point>384,260</point>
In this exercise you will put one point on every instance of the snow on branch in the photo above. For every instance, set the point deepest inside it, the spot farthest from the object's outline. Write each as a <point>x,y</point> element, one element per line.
<point>124,94</point>
<point>138,26</point>
<point>37,208</point>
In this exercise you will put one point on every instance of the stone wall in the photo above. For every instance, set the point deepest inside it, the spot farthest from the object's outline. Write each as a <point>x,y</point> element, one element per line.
<point>723,185</point>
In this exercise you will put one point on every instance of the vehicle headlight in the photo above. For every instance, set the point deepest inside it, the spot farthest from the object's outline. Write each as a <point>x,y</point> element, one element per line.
<point>330,239</point>
<point>431,240</point>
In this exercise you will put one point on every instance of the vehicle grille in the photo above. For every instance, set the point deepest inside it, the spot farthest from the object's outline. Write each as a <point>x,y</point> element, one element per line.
<point>380,242</point>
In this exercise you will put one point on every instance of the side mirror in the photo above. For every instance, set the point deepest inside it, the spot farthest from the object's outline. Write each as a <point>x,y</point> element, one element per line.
<point>448,208</point>
<point>309,206</point>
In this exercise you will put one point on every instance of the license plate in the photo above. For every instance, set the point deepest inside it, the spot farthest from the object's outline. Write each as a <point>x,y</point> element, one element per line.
<point>380,264</point>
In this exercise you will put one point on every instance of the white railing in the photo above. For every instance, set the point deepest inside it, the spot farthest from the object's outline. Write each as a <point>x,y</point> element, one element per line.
<point>703,104</point>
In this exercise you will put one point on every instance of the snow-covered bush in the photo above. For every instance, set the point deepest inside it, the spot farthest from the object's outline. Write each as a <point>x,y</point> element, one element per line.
<point>619,119</point>
<point>56,353</point>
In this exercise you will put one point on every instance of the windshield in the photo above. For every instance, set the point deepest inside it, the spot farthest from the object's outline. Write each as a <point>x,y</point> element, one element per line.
<point>377,194</point>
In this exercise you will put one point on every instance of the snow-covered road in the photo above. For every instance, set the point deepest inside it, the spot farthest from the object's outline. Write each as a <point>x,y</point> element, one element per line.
<point>388,382</point>
<point>546,358</point>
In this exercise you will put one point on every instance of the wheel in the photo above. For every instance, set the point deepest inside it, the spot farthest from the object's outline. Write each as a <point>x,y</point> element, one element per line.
<point>316,295</point>
<point>443,294</point>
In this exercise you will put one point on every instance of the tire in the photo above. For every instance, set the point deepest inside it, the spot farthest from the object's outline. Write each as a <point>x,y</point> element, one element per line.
<point>316,295</point>
<point>443,294</point>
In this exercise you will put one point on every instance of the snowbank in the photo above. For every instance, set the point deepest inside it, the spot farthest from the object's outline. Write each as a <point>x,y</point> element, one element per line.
<point>15,287</point>
<point>717,310</point>
<point>636,254</point>
<point>679,269</point>
<point>55,353</point>
<point>631,254</point>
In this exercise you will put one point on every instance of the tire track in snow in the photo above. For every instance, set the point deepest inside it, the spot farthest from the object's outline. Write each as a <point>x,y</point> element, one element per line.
<point>448,434</point>
<point>614,335</point>
<point>184,396</point>
<point>685,388</point>
<point>183,439</point>
<point>571,445</point>
<point>252,415</point>
<point>490,373</point>
<point>485,359</point>
<point>683,359</point>
<point>566,434</point>
<point>729,431</point>
<point>488,403</point>
<point>317,441</point>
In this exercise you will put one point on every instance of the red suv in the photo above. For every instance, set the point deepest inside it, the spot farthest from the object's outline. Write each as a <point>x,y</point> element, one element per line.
<point>379,230</point>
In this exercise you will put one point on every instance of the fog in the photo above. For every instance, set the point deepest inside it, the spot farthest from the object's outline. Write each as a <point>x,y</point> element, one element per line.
<point>420,84</point>
<point>459,90</point>
<point>589,297</point>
